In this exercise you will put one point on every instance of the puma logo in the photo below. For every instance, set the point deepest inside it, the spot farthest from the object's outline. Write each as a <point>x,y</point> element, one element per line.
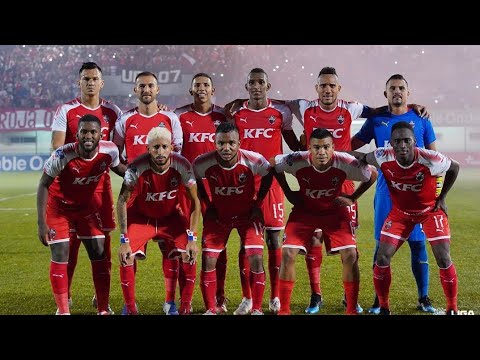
<point>244,120</point>
<point>189,123</point>
<point>134,126</point>
<point>306,180</point>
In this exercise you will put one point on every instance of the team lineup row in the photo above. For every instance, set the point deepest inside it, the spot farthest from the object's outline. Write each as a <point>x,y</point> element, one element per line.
<point>159,199</point>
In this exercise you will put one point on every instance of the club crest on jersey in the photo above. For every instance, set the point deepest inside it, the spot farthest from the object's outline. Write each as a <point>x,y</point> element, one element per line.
<point>335,181</point>
<point>242,177</point>
<point>412,124</point>
<point>272,120</point>
<point>420,176</point>
<point>380,152</point>
<point>388,225</point>
<point>162,124</point>
<point>106,118</point>
<point>174,182</point>
<point>340,119</point>
<point>59,153</point>
<point>216,123</point>
<point>52,234</point>
<point>103,166</point>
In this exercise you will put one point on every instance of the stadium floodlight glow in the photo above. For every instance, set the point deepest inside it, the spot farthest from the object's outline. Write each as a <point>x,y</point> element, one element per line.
<point>24,45</point>
<point>274,69</point>
<point>89,55</point>
<point>423,51</point>
<point>395,62</point>
<point>436,101</point>
<point>277,67</point>
<point>113,56</point>
<point>50,59</point>
<point>221,75</point>
<point>278,91</point>
<point>311,74</point>
<point>286,60</point>
<point>476,87</point>
<point>303,67</point>
<point>213,74</point>
<point>129,95</point>
<point>61,54</point>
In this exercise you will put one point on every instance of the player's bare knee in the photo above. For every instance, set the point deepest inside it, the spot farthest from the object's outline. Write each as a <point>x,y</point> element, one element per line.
<point>349,256</point>
<point>60,251</point>
<point>273,239</point>
<point>288,256</point>
<point>256,263</point>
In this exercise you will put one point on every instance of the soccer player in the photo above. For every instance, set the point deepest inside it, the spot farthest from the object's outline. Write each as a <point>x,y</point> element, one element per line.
<point>379,128</point>
<point>337,116</point>
<point>320,204</point>
<point>66,198</point>
<point>231,173</point>
<point>131,135</point>
<point>199,121</point>
<point>410,174</point>
<point>150,189</point>
<point>64,130</point>
<point>261,125</point>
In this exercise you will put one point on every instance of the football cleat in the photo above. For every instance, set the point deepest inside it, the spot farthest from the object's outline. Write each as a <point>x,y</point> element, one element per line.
<point>94,304</point>
<point>169,308</point>
<point>359,308</point>
<point>221,307</point>
<point>316,303</point>
<point>274,305</point>
<point>244,308</point>
<point>425,305</point>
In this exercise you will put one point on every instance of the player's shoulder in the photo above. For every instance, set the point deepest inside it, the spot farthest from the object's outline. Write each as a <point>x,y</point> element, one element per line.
<point>183,109</point>
<point>69,105</point>
<point>109,105</point>
<point>179,159</point>
<point>204,158</point>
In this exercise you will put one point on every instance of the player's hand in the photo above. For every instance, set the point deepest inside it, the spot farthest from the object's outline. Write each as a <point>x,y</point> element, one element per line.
<point>211,213</point>
<point>343,200</point>
<point>192,252</point>
<point>421,111</point>
<point>232,107</point>
<point>256,213</point>
<point>44,233</point>
<point>441,204</point>
<point>303,141</point>
<point>125,254</point>
<point>162,107</point>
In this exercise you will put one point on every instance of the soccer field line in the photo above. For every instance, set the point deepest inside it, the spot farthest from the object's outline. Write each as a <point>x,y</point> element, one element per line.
<point>13,209</point>
<point>16,196</point>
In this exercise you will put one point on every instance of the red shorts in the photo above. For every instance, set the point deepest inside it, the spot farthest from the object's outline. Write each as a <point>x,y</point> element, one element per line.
<point>398,226</point>
<point>348,188</point>
<point>215,235</point>
<point>186,205</point>
<point>86,223</point>
<point>338,231</point>
<point>169,229</point>
<point>273,208</point>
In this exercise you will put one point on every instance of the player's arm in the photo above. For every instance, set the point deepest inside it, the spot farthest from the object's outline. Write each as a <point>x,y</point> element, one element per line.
<point>450,178</point>
<point>191,248</point>
<point>119,169</point>
<point>124,252</point>
<point>420,110</point>
<point>292,196</point>
<point>265,183</point>
<point>58,139</point>
<point>356,142</point>
<point>364,186</point>
<point>291,140</point>
<point>42,197</point>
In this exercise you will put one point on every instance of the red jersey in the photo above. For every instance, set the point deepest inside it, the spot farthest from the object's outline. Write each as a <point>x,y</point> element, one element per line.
<point>320,188</point>
<point>132,129</point>
<point>155,194</point>
<point>412,188</point>
<point>199,130</point>
<point>67,116</point>
<point>338,121</point>
<point>233,189</point>
<point>261,130</point>
<point>76,178</point>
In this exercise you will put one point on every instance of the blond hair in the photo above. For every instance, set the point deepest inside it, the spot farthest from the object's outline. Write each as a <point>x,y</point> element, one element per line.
<point>159,133</point>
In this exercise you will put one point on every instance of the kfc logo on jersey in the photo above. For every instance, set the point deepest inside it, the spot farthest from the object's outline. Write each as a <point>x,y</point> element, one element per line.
<point>140,140</point>
<point>59,154</point>
<point>388,225</point>
<point>86,180</point>
<point>335,181</point>
<point>229,190</point>
<point>256,133</point>
<point>174,182</point>
<point>272,120</point>
<point>406,187</point>
<point>201,137</point>
<point>317,194</point>
<point>242,177</point>
<point>160,196</point>
<point>340,119</point>
<point>420,176</point>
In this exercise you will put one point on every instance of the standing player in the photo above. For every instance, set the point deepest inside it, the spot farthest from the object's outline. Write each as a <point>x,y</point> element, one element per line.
<point>199,121</point>
<point>131,135</point>
<point>66,198</point>
<point>379,128</point>
<point>150,188</point>
<point>64,130</point>
<point>261,125</point>
<point>231,173</point>
<point>321,203</point>
<point>410,174</point>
